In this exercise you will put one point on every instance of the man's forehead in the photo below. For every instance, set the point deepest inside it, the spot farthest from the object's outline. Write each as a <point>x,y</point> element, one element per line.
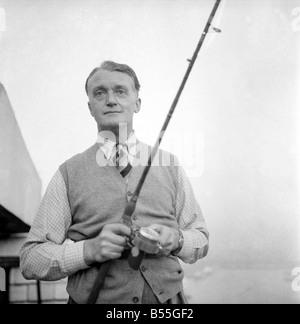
<point>102,77</point>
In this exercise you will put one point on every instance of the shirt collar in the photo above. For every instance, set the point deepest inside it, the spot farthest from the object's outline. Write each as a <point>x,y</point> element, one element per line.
<point>108,146</point>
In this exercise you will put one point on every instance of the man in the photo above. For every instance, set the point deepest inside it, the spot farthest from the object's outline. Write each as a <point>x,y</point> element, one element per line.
<point>79,223</point>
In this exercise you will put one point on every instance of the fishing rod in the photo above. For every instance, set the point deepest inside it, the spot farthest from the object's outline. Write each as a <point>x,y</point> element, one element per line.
<point>144,240</point>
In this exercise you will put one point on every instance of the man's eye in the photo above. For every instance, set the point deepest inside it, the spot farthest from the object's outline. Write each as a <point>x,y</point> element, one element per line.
<point>120,92</point>
<point>100,93</point>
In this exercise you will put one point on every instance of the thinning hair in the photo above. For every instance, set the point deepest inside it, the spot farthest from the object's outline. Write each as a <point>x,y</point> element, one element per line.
<point>115,67</point>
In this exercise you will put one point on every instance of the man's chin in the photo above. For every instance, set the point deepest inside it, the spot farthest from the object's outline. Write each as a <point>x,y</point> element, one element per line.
<point>114,125</point>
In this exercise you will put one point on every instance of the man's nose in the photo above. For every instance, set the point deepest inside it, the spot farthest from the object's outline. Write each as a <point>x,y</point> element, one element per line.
<point>110,100</point>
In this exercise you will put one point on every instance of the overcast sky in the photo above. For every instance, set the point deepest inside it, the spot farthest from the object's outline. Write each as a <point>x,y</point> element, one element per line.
<point>235,129</point>
<point>50,47</point>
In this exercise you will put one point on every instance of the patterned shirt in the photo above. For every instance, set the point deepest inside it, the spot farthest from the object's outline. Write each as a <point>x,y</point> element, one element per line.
<point>49,255</point>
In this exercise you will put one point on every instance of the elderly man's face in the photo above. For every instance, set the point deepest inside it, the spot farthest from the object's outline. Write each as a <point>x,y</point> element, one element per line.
<point>112,99</point>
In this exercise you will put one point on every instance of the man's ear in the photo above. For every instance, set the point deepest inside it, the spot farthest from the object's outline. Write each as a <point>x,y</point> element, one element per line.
<point>91,109</point>
<point>138,105</point>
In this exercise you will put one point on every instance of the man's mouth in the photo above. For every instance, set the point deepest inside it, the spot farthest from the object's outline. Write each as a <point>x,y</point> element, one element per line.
<point>112,112</point>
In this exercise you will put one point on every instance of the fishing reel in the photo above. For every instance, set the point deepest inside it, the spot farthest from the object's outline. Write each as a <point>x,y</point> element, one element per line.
<point>144,240</point>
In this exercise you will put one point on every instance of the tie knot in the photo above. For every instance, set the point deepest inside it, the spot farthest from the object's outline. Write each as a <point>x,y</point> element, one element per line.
<point>122,160</point>
<point>121,146</point>
<point>122,156</point>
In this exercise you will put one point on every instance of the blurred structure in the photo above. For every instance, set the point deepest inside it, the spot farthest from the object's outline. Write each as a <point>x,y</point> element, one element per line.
<point>20,192</point>
<point>20,185</point>
<point>20,196</point>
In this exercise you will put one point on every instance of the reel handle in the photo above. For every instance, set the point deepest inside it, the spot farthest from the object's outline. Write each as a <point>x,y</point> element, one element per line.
<point>145,240</point>
<point>135,258</point>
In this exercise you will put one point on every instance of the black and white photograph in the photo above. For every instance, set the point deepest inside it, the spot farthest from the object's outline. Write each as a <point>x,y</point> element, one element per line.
<point>149,154</point>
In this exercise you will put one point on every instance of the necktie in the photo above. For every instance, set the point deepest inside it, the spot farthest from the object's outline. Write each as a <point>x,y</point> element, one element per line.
<point>122,160</point>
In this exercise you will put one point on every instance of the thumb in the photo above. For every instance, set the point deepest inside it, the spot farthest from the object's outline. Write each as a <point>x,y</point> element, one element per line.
<point>157,228</point>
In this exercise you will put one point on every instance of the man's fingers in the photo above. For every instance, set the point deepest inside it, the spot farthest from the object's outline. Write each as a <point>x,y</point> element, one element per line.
<point>164,234</point>
<point>110,249</point>
<point>119,229</point>
<point>157,228</point>
<point>117,239</point>
<point>113,255</point>
<point>165,239</point>
<point>116,248</point>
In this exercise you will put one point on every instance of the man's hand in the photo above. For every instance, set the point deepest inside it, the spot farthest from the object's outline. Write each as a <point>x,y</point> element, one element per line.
<point>169,238</point>
<point>109,245</point>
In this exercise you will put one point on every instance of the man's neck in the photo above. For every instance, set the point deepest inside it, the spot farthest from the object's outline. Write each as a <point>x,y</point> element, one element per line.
<point>121,134</point>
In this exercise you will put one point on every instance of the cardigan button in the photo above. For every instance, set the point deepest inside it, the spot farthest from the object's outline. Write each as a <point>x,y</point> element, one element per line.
<point>135,300</point>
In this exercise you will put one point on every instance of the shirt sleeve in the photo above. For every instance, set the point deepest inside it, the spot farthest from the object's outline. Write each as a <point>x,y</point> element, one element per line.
<point>47,253</point>
<point>191,222</point>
